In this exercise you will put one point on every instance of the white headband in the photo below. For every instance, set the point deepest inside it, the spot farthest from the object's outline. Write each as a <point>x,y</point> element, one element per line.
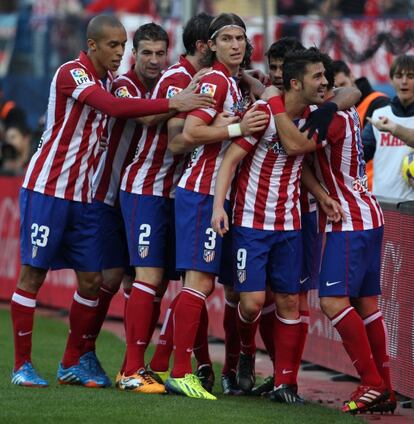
<point>227,26</point>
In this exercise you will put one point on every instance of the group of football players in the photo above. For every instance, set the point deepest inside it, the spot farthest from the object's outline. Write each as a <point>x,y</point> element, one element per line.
<point>203,171</point>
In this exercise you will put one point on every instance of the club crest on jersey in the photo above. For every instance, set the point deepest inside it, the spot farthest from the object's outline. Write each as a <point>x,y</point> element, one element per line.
<point>34,251</point>
<point>274,145</point>
<point>241,275</point>
<point>360,185</point>
<point>172,91</point>
<point>207,88</point>
<point>209,255</point>
<point>80,76</point>
<point>143,251</point>
<point>122,92</point>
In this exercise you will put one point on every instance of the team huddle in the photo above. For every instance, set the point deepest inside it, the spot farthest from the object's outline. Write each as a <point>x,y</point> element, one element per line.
<point>204,172</point>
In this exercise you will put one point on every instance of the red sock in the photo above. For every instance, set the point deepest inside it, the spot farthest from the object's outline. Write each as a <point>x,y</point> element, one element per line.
<point>247,331</point>
<point>304,326</point>
<point>105,297</point>
<point>201,352</point>
<point>156,310</point>
<point>22,309</point>
<point>138,322</point>
<point>287,334</point>
<point>164,348</point>
<point>127,293</point>
<point>355,340</point>
<point>81,322</point>
<point>378,340</point>
<point>266,326</point>
<point>186,321</point>
<point>231,338</point>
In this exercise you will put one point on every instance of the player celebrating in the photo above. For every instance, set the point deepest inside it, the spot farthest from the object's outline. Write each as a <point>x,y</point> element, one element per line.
<point>198,251</point>
<point>147,201</point>
<point>58,229</point>
<point>349,275</point>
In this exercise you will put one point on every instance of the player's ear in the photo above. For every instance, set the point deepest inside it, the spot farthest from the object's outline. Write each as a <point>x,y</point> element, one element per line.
<point>91,44</point>
<point>212,45</point>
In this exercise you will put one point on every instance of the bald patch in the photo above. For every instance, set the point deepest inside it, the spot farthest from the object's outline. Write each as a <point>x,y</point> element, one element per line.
<point>95,30</point>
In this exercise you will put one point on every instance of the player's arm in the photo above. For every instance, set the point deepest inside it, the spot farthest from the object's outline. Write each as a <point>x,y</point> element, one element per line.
<point>369,142</point>
<point>345,97</point>
<point>232,157</point>
<point>197,131</point>
<point>177,143</point>
<point>331,207</point>
<point>385,124</point>
<point>184,101</point>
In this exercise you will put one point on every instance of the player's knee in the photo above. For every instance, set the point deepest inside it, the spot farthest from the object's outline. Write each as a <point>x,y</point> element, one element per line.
<point>90,283</point>
<point>31,279</point>
<point>287,305</point>
<point>250,307</point>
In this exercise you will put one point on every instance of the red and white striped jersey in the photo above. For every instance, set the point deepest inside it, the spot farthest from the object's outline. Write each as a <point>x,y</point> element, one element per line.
<point>200,175</point>
<point>123,138</point>
<point>63,166</point>
<point>340,167</point>
<point>155,170</point>
<point>308,202</point>
<point>268,183</point>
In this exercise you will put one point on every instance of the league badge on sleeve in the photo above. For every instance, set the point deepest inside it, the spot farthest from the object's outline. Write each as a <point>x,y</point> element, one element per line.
<point>80,76</point>
<point>122,92</point>
<point>172,91</point>
<point>207,88</point>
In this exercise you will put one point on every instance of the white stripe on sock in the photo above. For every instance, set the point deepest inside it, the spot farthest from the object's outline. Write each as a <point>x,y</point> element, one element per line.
<point>22,300</point>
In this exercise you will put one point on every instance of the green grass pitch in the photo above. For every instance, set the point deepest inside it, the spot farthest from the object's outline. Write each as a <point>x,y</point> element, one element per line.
<point>70,404</point>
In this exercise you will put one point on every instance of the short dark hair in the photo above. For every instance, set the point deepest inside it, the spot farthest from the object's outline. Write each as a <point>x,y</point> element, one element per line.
<point>151,32</point>
<point>95,25</point>
<point>285,45</point>
<point>196,29</point>
<point>404,62</point>
<point>221,21</point>
<point>294,64</point>
<point>329,70</point>
<point>340,66</point>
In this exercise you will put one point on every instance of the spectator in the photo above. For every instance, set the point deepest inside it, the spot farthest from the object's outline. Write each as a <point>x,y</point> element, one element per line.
<point>387,150</point>
<point>144,7</point>
<point>10,113</point>
<point>16,149</point>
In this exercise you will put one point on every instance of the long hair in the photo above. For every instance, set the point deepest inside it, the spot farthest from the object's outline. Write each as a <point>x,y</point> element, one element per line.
<point>219,22</point>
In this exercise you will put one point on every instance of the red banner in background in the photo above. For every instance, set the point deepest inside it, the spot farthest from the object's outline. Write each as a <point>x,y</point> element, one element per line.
<point>323,346</point>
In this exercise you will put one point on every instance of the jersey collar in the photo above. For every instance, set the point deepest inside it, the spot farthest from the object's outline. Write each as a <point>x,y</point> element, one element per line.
<point>187,65</point>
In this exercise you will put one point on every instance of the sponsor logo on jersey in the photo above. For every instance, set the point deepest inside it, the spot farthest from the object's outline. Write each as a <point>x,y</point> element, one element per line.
<point>207,88</point>
<point>172,91</point>
<point>274,145</point>
<point>360,184</point>
<point>240,106</point>
<point>80,76</point>
<point>208,255</point>
<point>143,251</point>
<point>241,275</point>
<point>122,92</point>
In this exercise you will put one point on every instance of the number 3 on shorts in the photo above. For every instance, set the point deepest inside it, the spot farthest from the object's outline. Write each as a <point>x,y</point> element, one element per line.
<point>210,244</point>
<point>39,235</point>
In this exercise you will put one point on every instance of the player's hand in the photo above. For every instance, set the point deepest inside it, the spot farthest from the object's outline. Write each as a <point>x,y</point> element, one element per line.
<point>319,120</point>
<point>184,101</point>
<point>333,209</point>
<point>384,124</point>
<point>196,79</point>
<point>220,221</point>
<point>253,121</point>
<point>223,119</point>
<point>270,91</point>
<point>103,144</point>
<point>260,75</point>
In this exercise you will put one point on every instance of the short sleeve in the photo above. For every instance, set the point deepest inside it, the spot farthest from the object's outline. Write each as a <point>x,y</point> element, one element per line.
<point>75,81</point>
<point>217,87</point>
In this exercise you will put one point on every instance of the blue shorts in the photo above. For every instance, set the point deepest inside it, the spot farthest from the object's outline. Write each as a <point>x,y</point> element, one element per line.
<point>57,233</point>
<point>198,246</point>
<point>150,231</point>
<point>112,229</point>
<point>312,250</point>
<point>261,256</point>
<point>351,264</point>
